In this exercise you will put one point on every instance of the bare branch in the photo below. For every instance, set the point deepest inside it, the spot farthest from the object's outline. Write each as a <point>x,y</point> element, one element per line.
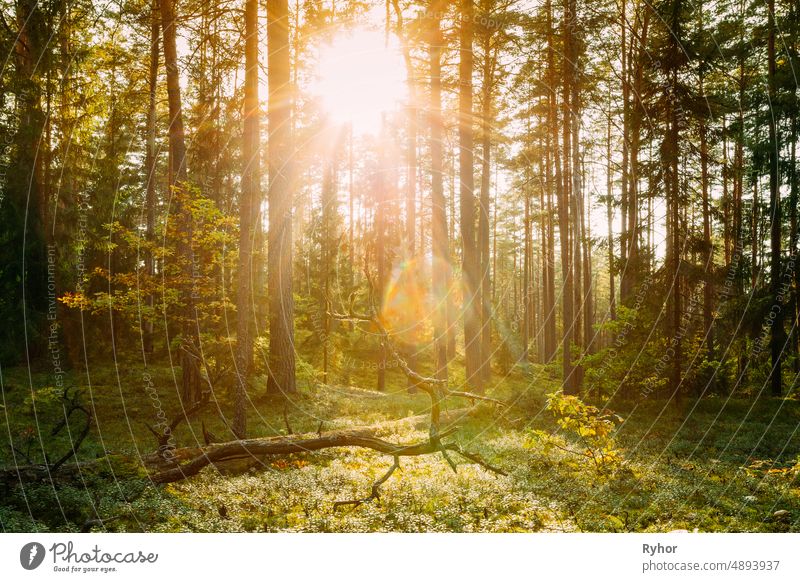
<point>475,458</point>
<point>375,493</point>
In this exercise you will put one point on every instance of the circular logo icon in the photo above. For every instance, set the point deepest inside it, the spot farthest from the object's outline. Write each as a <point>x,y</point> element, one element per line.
<point>31,555</point>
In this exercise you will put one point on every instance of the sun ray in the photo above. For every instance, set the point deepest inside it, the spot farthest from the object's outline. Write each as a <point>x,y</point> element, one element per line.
<point>360,75</point>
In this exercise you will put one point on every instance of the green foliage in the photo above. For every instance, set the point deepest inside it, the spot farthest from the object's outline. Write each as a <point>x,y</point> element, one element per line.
<point>721,469</point>
<point>593,431</point>
<point>200,276</point>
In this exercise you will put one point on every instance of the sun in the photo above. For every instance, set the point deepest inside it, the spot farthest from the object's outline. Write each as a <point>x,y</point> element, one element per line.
<point>359,76</point>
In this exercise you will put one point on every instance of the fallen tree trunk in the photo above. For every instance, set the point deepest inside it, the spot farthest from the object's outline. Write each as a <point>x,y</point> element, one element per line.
<point>156,463</point>
<point>255,448</point>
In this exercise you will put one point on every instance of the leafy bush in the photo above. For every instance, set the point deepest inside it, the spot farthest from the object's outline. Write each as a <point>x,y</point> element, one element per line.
<point>594,431</point>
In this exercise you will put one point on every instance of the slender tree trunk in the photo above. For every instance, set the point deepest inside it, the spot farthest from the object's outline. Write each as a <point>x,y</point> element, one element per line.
<point>380,240</point>
<point>150,170</point>
<point>552,180</point>
<point>579,257</point>
<point>280,150</point>
<point>726,200</point>
<point>672,151</point>
<point>351,219</point>
<point>26,186</point>
<point>793,200</point>
<point>470,275</point>
<point>410,231</point>
<point>588,301</point>
<point>612,301</point>
<point>708,250</point>
<point>625,79</point>
<point>330,240</point>
<point>451,243</point>
<point>566,205</point>
<point>755,228</point>
<point>562,201</point>
<point>526,274</point>
<point>546,225</point>
<point>247,212</point>
<point>190,348</point>
<point>483,219</point>
<point>738,167</point>
<point>778,334</point>
<point>439,238</point>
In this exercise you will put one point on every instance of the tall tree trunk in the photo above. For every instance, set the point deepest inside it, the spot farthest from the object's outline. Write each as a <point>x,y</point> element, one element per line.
<point>636,61</point>
<point>484,258</point>
<point>562,201</point>
<point>672,176</point>
<point>330,241</point>
<point>190,348</point>
<point>281,378</point>
<point>755,232</point>
<point>470,276</point>
<point>526,273</point>
<point>793,200</point>
<point>440,241</point>
<point>28,264</point>
<point>381,202</point>
<point>738,168</point>
<point>612,301</point>
<point>451,244</point>
<point>566,204</point>
<point>726,199</point>
<point>150,169</point>
<point>778,334</point>
<point>351,219</point>
<point>546,226</point>
<point>708,250</point>
<point>248,205</point>
<point>577,189</point>
<point>624,241</point>
<point>588,295</point>
<point>410,231</point>
<point>552,181</point>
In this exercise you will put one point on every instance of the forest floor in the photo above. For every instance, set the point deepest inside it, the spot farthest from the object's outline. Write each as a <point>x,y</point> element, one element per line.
<point>714,465</point>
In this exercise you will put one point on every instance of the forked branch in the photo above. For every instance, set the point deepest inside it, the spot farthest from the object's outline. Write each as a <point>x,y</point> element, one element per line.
<point>375,492</point>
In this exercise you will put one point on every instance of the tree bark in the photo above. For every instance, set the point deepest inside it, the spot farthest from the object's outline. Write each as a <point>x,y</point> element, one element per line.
<point>190,341</point>
<point>281,379</point>
<point>565,206</point>
<point>484,258</point>
<point>778,334</point>
<point>248,205</point>
<point>440,241</point>
<point>470,275</point>
<point>150,169</point>
<point>612,301</point>
<point>708,250</point>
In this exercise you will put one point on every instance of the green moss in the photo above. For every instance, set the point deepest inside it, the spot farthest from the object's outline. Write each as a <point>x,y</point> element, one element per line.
<point>710,466</point>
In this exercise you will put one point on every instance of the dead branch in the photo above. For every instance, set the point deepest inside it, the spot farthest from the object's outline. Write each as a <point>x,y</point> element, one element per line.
<point>286,421</point>
<point>375,493</point>
<point>164,436</point>
<point>76,444</point>
<point>256,448</point>
<point>425,381</point>
<point>33,472</point>
<point>475,458</point>
<point>208,436</point>
<point>183,465</point>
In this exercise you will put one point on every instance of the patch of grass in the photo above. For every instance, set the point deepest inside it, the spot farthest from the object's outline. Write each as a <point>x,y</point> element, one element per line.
<point>713,465</point>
